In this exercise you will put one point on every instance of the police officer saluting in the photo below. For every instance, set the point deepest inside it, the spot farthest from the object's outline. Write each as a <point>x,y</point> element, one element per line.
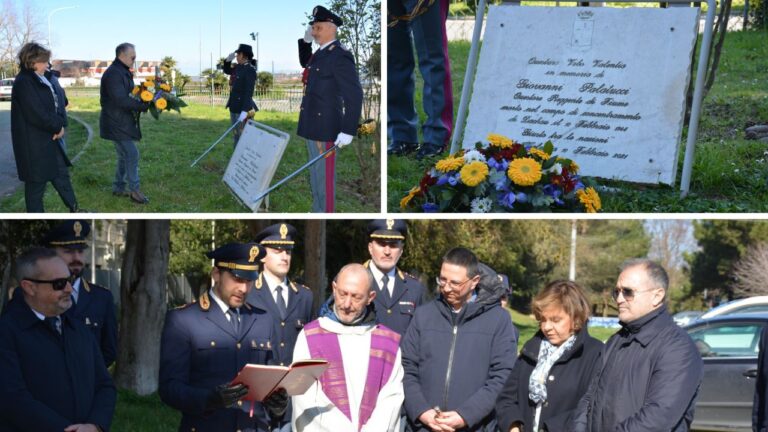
<point>205,344</point>
<point>332,102</point>
<point>397,293</point>
<point>244,80</point>
<point>289,302</point>
<point>92,305</point>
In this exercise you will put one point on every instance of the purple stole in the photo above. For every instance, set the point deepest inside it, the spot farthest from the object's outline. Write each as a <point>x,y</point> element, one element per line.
<point>383,353</point>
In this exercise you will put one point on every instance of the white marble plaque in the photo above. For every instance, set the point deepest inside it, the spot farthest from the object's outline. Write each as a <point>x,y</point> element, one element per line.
<point>606,85</point>
<point>254,162</point>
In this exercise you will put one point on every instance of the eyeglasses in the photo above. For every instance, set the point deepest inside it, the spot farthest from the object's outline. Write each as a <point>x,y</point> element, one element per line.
<point>441,282</point>
<point>57,284</point>
<point>628,293</point>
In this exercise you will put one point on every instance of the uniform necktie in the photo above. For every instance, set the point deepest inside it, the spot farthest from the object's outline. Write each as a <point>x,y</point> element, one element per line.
<point>385,288</point>
<point>54,323</point>
<point>281,302</point>
<point>234,318</point>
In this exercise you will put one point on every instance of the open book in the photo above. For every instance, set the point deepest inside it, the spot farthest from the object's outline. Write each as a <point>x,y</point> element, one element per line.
<point>295,379</point>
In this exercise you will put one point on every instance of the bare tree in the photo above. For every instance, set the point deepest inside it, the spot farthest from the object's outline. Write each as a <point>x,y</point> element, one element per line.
<point>16,30</point>
<point>144,302</point>
<point>750,273</point>
<point>670,239</point>
<point>314,260</point>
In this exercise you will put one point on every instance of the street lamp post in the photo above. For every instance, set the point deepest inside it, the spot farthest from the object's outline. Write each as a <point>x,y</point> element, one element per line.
<point>50,15</point>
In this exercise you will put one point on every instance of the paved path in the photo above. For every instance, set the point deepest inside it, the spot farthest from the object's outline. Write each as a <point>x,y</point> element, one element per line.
<point>9,180</point>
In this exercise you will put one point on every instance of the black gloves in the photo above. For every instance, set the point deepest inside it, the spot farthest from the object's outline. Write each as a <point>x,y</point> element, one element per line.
<point>225,395</point>
<point>276,403</point>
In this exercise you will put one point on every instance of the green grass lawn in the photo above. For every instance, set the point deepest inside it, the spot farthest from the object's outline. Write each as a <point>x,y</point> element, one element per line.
<point>148,414</point>
<point>729,172</point>
<point>169,146</point>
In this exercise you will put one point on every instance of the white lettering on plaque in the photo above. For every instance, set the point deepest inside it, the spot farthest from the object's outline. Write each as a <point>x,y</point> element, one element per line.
<point>254,162</point>
<point>606,85</point>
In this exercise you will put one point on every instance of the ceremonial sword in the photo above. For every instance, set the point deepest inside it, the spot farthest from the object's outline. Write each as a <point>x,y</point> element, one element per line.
<point>297,172</point>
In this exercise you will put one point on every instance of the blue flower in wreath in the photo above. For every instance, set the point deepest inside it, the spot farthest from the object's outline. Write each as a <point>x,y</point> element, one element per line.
<point>555,193</point>
<point>429,207</point>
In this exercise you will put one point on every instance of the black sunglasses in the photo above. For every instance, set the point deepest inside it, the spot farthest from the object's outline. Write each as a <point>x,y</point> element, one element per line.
<point>57,284</point>
<point>628,293</point>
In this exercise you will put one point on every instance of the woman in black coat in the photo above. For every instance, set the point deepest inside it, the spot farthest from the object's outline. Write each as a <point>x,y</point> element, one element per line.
<point>38,119</point>
<point>561,357</point>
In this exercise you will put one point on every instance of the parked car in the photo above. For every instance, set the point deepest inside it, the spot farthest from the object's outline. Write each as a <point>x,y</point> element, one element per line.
<point>745,305</point>
<point>729,346</point>
<point>686,317</point>
<point>6,87</point>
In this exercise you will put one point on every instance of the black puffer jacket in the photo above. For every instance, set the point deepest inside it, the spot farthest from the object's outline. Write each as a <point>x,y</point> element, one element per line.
<point>459,363</point>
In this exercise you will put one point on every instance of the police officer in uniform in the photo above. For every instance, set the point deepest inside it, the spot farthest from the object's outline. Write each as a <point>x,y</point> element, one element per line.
<point>332,103</point>
<point>244,80</point>
<point>289,302</point>
<point>397,293</point>
<point>92,305</point>
<point>53,376</point>
<point>205,344</point>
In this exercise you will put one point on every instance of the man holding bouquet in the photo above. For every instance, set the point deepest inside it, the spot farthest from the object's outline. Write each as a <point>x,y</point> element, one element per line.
<point>119,121</point>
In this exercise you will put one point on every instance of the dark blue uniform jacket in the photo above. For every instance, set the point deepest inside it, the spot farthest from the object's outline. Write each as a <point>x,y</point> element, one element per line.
<point>397,311</point>
<point>199,351</point>
<point>333,97</point>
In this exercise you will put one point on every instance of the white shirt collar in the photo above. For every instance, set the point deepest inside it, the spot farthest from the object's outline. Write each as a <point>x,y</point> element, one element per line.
<point>273,282</point>
<point>322,47</point>
<point>39,316</point>
<point>76,288</point>
<point>223,306</point>
<point>377,274</point>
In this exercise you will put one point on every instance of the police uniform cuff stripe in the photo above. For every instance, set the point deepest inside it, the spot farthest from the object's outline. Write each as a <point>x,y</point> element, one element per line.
<point>56,243</point>
<point>278,242</point>
<point>382,236</point>
<point>234,266</point>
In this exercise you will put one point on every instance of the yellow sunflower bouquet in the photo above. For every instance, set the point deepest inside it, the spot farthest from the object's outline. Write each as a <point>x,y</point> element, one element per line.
<point>502,175</point>
<point>160,96</point>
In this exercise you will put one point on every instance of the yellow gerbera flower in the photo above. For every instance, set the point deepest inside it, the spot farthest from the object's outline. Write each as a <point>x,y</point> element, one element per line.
<point>406,199</point>
<point>535,151</point>
<point>449,164</point>
<point>165,87</point>
<point>136,90</point>
<point>573,169</point>
<point>149,78</point>
<point>474,173</point>
<point>524,171</point>
<point>500,141</point>
<point>161,104</point>
<point>590,199</point>
<point>149,84</point>
<point>146,96</point>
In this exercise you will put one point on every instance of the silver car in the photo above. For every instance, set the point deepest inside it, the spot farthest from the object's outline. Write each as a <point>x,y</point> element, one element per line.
<point>728,346</point>
<point>6,87</point>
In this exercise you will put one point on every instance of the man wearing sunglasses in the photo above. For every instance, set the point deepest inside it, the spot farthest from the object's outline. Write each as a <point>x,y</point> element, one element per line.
<point>397,293</point>
<point>459,350</point>
<point>53,376</point>
<point>651,370</point>
<point>92,304</point>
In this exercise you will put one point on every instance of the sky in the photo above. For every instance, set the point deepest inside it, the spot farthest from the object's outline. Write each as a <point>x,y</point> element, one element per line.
<point>176,28</point>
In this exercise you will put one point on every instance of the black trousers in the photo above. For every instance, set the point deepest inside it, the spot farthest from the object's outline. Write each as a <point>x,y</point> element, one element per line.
<point>34,191</point>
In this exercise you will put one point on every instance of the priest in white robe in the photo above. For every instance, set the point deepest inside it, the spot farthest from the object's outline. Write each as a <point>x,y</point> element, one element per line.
<point>362,390</point>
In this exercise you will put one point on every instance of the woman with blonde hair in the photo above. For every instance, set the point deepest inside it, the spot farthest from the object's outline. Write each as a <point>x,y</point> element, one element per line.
<point>38,120</point>
<point>555,367</point>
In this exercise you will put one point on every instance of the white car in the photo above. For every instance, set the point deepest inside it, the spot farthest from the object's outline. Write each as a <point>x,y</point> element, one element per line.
<point>745,305</point>
<point>6,87</point>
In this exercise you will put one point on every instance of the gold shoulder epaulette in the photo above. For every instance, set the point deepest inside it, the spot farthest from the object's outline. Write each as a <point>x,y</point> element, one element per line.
<point>205,302</point>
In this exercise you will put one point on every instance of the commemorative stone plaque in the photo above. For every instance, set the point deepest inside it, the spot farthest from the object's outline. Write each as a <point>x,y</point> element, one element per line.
<point>606,85</point>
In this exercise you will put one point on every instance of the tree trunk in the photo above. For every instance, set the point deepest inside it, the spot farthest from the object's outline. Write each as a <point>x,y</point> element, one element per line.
<point>144,303</point>
<point>314,260</point>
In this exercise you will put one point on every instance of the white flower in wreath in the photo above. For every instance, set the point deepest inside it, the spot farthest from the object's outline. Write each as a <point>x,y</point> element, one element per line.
<point>481,205</point>
<point>556,169</point>
<point>473,156</point>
